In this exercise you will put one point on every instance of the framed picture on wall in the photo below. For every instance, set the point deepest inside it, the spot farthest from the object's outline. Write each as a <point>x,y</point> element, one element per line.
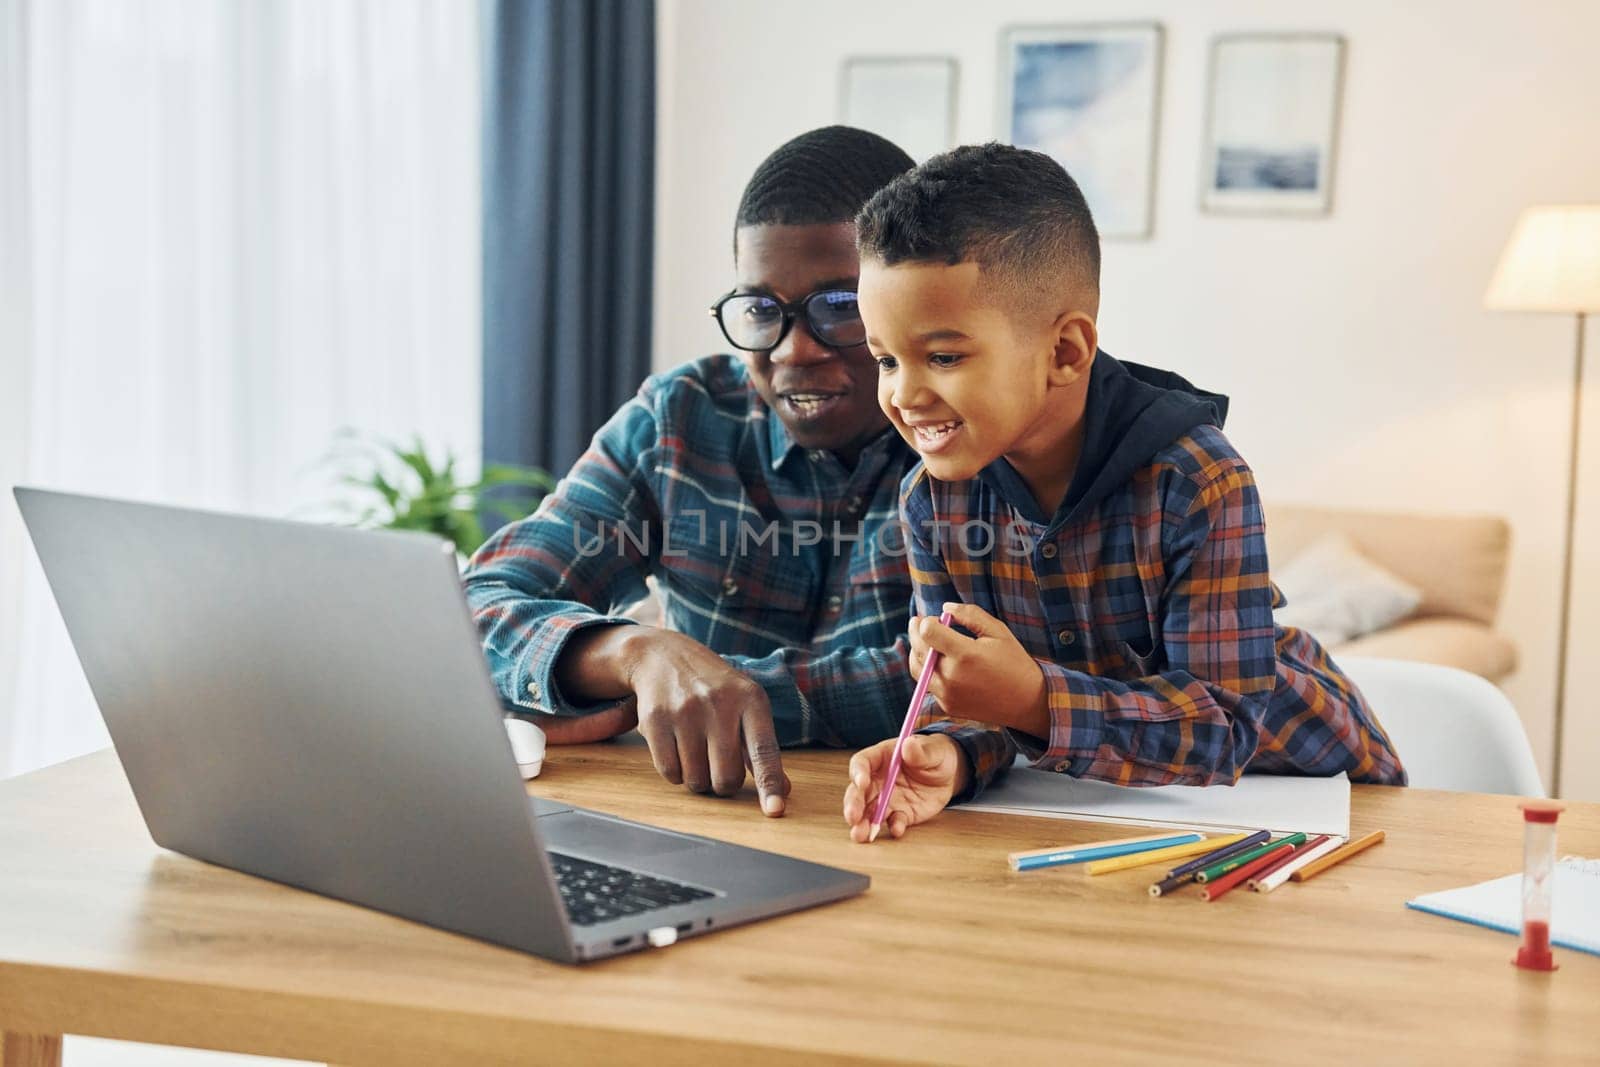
<point>1272,121</point>
<point>1088,97</point>
<point>911,100</point>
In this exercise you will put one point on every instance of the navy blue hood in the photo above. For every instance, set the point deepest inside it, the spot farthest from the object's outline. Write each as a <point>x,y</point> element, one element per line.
<point>1132,412</point>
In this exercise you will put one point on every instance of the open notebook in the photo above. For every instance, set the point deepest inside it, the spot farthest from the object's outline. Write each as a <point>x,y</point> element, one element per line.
<point>1278,803</point>
<point>1497,904</point>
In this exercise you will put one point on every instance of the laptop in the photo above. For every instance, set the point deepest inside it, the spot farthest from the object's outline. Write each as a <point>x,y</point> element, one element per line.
<point>310,704</point>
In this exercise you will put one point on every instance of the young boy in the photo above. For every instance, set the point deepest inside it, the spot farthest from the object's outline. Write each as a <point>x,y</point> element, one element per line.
<point>1085,520</point>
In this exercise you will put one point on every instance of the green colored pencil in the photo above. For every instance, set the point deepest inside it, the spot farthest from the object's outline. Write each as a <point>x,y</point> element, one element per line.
<point>1217,870</point>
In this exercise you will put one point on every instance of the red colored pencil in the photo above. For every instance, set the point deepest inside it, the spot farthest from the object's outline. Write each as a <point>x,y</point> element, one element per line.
<point>1313,843</point>
<point>1218,886</point>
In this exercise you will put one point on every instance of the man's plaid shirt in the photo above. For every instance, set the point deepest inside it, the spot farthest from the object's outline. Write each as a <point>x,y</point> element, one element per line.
<point>779,559</point>
<point>1151,618</point>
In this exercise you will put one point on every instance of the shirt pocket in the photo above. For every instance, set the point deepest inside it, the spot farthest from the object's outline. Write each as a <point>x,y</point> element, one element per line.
<point>715,565</point>
<point>1140,651</point>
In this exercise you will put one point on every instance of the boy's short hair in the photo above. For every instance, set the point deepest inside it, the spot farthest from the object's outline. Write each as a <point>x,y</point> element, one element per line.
<point>1017,213</point>
<point>821,176</point>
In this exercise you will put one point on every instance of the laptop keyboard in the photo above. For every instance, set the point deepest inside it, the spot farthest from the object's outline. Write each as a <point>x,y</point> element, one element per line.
<point>597,893</point>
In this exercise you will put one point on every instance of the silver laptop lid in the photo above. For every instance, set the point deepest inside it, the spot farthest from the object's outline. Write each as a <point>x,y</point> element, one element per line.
<point>275,692</point>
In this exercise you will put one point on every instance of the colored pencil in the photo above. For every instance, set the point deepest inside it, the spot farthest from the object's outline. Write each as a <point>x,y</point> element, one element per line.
<point>1038,858</point>
<point>881,812</point>
<point>1260,837</point>
<point>1283,860</point>
<point>1311,870</point>
<point>1228,866</point>
<point>1160,855</point>
<point>1219,886</point>
<point>1183,874</point>
<point>1268,882</point>
<point>1171,882</point>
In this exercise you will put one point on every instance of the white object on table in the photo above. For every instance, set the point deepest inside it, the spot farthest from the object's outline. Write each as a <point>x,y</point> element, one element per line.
<point>527,744</point>
<point>1280,803</point>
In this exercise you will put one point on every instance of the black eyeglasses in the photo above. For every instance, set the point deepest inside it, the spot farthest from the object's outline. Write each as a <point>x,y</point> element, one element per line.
<point>756,322</point>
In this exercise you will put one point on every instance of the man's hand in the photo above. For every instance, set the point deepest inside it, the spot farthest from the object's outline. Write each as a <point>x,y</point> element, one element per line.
<point>988,678</point>
<point>704,721</point>
<point>932,770</point>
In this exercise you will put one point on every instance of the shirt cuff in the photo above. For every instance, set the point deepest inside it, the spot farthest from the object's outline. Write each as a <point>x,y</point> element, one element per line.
<point>536,690</point>
<point>792,718</point>
<point>1076,732</point>
<point>988,753</point>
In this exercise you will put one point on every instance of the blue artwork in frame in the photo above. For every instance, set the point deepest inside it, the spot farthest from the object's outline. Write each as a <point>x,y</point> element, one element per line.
<point>1088,96</point>
<point>1272,121</point>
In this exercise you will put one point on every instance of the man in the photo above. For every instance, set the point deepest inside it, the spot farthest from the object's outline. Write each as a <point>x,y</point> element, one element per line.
<point>759,491</point>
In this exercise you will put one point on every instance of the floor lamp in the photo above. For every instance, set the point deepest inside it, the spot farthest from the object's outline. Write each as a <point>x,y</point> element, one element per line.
<point>1552,263</point>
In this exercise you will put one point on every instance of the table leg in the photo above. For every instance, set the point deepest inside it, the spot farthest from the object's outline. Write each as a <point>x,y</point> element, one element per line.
<point>30,1050</point>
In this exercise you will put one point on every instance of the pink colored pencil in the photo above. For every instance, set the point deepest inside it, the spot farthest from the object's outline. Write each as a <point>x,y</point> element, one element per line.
<point>882,810</point>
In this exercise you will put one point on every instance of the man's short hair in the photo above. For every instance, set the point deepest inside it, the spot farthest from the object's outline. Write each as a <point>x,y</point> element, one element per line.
<point>1017,213</point>
<point>821,176</point>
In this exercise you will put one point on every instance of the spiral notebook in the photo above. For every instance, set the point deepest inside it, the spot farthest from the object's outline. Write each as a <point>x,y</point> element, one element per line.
<point>1497,904</point>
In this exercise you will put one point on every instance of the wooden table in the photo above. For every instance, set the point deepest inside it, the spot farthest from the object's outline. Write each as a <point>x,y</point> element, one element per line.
<point>948,958</point>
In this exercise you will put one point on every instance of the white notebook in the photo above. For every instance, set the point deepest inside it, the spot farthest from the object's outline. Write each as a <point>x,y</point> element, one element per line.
<point>1279,803</point>
<point>1497,904</point>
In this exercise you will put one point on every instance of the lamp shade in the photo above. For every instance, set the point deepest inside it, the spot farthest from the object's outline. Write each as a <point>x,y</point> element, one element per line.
<point>1551,263</point>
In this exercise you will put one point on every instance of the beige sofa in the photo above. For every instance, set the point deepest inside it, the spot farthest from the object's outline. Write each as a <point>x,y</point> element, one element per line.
<point>1458,563</point>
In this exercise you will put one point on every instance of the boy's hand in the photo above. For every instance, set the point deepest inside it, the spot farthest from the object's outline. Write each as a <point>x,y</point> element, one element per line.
<point>932,770</point>
<point>987,678</point>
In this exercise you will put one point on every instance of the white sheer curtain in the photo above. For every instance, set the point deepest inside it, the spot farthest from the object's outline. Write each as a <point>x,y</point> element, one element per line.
<point>231,228</point>
<point>14,331</point>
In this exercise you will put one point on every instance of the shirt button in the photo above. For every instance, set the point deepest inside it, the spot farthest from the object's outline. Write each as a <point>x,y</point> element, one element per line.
<point>1048,550</point>
<point>814,455</point>
<point>854,504</point>
<point>835,603</point>
<point>533,690</point>
<point>729,586</point>
<point>1066,637</point>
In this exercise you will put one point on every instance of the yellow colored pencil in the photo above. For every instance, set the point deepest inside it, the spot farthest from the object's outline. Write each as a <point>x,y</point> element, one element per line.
<point>1316,867</point>
<point>1161,855</point>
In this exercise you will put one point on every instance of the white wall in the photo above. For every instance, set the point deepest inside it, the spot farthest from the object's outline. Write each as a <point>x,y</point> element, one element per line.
<point>1363,368</point>
<point>14,379</point>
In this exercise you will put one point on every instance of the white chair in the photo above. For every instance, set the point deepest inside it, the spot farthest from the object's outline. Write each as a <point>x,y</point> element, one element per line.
<point>1453,730</point>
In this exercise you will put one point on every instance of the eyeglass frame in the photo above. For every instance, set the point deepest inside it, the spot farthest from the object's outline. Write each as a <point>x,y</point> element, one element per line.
<point>790,311</point>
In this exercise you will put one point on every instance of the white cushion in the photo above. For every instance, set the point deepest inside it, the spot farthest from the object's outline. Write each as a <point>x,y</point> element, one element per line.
<point>1336,593</point>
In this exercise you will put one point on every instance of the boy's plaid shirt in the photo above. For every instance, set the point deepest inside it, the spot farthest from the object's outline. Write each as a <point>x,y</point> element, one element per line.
<point>781,560</point>
<point>1151,618</point>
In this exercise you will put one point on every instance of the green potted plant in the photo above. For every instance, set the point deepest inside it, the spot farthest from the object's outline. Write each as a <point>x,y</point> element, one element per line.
<point>403,488</point>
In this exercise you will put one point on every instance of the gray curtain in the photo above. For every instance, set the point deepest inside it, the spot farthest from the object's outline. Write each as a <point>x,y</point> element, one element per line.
<point>568,187</point>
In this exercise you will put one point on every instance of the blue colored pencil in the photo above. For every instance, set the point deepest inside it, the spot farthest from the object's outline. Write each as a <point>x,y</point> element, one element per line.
<point>1038,858</point>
